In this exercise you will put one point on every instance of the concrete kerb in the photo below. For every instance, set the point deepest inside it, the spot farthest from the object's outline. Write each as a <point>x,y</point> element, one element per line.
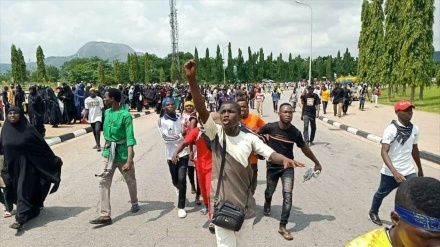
<point>377,139</point>
<point>62,138</point>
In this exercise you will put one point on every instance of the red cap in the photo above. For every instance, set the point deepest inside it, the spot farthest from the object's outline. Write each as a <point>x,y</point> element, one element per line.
<point>403,105</point>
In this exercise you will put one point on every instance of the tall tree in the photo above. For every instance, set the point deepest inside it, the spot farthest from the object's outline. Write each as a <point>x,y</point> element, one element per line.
<point>162,77</point>
<point>338,65</point>
<point>261,65</point>
<point>41,67</point>
<point>207,63</point>
<point>173,72</point>
<point>329,68</point>
<point>147,68</point>
<point>392,43</point>
<point>22,74</point>
<point>101,74</point>
<point>280,68</point>
<point>230,67</point>
<point>15,64</point>
<point>117,71</point>
<point>133,68</point>
<point>219,65</point>
<point>250,66</point>
<point>200,66</point>
<point>416,54</point>
<point>240,66</point>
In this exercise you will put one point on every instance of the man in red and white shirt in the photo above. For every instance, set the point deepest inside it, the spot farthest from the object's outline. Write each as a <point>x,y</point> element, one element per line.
<point>259,98</point>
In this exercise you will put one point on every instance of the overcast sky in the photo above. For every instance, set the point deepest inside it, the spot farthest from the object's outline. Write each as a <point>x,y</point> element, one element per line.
<point>61,27</point>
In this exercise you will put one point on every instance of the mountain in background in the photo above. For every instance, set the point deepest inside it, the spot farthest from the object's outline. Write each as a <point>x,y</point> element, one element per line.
<point>103,50</point>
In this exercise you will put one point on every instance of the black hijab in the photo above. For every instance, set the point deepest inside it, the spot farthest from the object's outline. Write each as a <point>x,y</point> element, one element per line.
<point>21,142</point>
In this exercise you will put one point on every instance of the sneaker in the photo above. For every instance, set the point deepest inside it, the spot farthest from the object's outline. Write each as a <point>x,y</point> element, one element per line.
<point>266,210</point>
<point>98,148</point>
<point>135,208</point>
<point>375,218</point>
<point>101,221</point>
<point>181,213</point>
<point>197,200</point>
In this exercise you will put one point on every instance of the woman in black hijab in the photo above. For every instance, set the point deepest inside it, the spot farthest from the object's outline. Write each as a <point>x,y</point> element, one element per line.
<point>30,166</point>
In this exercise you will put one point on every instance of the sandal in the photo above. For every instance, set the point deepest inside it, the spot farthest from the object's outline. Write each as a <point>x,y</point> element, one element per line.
<point>211,227</point>
<point>16,226</point>
<point>286,235</point>
<point>7,214</point>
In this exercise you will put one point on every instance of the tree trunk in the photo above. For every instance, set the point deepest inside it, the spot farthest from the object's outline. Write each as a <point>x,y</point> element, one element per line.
<point>404,90</point>
<point>389,92</point>
<point>396,90</point>
<point>421,92</point>
<point>413,93</point>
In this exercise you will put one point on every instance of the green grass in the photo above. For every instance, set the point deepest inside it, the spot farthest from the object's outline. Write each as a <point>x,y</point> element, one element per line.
<point>430,102</point>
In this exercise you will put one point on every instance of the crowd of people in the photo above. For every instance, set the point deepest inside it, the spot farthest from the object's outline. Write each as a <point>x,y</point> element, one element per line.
<point>212,138</point>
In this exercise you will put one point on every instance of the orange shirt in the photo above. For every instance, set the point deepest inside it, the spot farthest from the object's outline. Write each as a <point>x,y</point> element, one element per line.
<point>253,122</point>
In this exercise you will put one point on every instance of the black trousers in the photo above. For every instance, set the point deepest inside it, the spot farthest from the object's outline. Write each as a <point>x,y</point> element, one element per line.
<point>96,130</point>
<point>178,176</point>
<point>287,179</point>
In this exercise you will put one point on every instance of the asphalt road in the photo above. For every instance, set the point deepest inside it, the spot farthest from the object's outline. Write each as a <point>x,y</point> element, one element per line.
<point>328,211</point>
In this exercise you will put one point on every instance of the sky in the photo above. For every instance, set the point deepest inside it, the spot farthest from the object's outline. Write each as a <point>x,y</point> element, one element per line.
<point>61,27</point>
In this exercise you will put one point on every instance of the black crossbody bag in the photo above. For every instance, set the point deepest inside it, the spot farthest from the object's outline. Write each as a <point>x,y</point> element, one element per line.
<point>227,215</point>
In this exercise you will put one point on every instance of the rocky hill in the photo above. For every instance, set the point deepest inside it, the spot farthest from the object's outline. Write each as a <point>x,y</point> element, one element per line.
<point>103,50</point>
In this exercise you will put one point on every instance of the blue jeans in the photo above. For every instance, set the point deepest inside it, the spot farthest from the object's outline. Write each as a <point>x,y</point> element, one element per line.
<point>387,184</point>
<point>287,176</point>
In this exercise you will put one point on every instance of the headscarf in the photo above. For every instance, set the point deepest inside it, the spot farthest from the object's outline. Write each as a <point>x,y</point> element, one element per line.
<point>21,142</point>
<point>188,103</point>
<point>403,132</point>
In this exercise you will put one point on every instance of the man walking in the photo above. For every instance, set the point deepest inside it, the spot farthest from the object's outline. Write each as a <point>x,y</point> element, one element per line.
<point>94,107</point>
<point>325,95</point>
<point>259,98</point>
<point>399,147</point>
<point>346,100</point>
<point>235,147</point>
<point>282,137</point>
<point>172,131</point>
<point>118,151</point>
<point>338,96</point>
<point>253,122</point>
<point>309,114</point>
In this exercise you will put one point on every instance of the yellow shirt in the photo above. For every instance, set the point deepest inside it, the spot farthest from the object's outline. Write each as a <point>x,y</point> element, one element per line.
<point>375,238</point>
<point>325,95</point>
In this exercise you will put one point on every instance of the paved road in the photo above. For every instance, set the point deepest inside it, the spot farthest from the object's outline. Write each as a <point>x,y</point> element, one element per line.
<point>329,211</point>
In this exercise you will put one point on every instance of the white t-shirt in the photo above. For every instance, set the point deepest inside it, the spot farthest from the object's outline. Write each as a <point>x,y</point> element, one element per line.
<point>171,132</point>
<point>400,155</point>
<point>95,106</point>
<point>211,99</point>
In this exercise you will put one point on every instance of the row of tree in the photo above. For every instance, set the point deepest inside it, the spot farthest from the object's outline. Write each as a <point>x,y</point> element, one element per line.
<point>396,44</point>
<point>148,68</point>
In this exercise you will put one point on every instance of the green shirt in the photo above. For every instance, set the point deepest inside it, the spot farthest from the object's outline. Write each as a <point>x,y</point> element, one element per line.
<point>118,125</point>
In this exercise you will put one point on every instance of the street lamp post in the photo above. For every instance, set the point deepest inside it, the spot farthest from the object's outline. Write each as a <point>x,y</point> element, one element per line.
<point>311,39</point>
<point>224,65</point>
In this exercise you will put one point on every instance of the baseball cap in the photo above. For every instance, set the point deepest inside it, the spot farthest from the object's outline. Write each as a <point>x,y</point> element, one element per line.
<point>403,105</point>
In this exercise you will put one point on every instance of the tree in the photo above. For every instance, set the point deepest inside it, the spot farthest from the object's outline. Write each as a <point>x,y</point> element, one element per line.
<point>147,69</point>
<point>101,76</point>
<point>133,69</point>
<point>207,63</point>
<point>41,68</point>
<point>22,75</point>
<point>392,43</point>
<point>240,66</point>
<point>437,78</point>
<point>329,68</point>
<point>173,72</point>
<point>162,77</point>
<point>117,71</point>
<point>219,66</point>
<point>250,66</point>
<point>230,67</point>
<point>416,54</point>
<point>15,64</point>
<point>200,66</point>
<point>53,73</point>
<point>280,68</point>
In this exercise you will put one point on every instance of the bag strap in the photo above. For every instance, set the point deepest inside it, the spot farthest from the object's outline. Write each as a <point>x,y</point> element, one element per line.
<point>222,167</point>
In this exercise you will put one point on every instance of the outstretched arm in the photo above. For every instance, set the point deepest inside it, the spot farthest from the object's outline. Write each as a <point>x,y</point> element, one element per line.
<point>199,102</point>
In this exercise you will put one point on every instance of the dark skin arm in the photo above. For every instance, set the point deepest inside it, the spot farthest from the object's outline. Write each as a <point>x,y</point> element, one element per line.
<point>199,101</point>
<point>286,162</point>
<point>386,158</point>
<point>416,156</point>
<point>309,154</point>
<point>178,150</point>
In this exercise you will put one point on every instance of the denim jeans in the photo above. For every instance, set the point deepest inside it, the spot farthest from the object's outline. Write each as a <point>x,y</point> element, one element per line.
<point>287,179</point>
<point>324,106</point>
<point>387,185</point>
<point>312,121</point>
<point>178,175</point>
<point>361,102</point>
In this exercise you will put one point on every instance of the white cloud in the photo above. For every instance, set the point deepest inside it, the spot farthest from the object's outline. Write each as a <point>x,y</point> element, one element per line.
<point>62,27</point>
